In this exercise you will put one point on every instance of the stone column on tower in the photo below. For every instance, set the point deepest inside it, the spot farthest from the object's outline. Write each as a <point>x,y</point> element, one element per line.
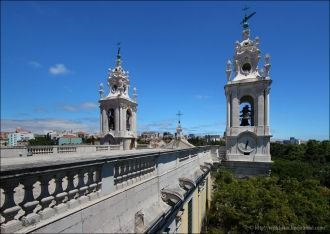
<point>117,122</point>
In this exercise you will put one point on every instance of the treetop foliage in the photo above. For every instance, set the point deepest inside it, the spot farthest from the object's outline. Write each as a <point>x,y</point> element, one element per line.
<point>296,195</point>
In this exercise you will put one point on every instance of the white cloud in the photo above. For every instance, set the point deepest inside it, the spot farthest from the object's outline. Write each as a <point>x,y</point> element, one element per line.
<point>45,125</point>
<point>59,69</point>
<point>160,126</point>
<point>79,107</point>
<point>202,96</point>
<point>34,64</point>
<point>40,109</point>
<point>88,105</point>
<point>70,108</point>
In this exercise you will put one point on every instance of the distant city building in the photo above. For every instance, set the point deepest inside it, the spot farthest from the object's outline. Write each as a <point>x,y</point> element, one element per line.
<point>4,138</point>
<point>82,134</point>
<point>191,136</point>
<point>292,141</point>
<point>212,138</point>
<point>19,135</point>
<point>151,135</point>
<point>69,140</point>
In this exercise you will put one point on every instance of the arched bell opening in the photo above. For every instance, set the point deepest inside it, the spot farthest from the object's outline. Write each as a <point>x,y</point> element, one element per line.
<point>128,120</point>
<point>111,119</point>
<point>246,111</point>
<point>108,140</point>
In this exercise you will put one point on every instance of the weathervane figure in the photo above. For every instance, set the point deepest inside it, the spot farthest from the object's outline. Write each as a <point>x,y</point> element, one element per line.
<point>118,52</point>
<point>246,18</point>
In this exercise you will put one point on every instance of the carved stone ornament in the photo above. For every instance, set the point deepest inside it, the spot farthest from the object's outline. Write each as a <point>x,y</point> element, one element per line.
<point>205,167</point>
<point>170,196</point>
<point>186,183</point>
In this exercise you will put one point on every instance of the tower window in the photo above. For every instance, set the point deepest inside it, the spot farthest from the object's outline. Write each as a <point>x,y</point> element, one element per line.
<point>246,111</point>
<point>111,119</point>
<point>246,67</point>
<point>128,119</point>
<point>114,88</point>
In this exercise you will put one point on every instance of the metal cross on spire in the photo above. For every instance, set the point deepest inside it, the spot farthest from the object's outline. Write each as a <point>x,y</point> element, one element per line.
<point>179,116</point>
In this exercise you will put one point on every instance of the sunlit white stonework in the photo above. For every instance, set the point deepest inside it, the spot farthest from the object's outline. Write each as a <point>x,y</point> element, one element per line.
<point>247,129</point>
<point>118,110</point>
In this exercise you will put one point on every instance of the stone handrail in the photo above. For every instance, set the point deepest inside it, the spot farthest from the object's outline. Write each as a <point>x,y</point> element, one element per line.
<point>46,192</point>
<point>54,149</point>
<point>30,195</point>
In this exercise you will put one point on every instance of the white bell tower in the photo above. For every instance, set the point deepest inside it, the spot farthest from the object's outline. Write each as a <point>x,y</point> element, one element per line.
<point>247,94</point>
<point>118,110</point>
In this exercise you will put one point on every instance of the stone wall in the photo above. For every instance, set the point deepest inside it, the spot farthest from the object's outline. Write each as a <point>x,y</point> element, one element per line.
<point>125,193</point>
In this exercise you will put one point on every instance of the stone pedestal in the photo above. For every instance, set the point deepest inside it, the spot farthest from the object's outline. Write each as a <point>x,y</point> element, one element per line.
<point>11,227</point>
<point>46,213</point>
<point>248,169</point>
<point>30,219</point>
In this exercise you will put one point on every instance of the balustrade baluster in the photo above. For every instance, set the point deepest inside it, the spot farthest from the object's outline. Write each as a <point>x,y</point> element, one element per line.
<point>59,194</point>
<point>91,184</point>
<point>29,203</point>
<point>9,209</point>
<point>98,180</point>
<point>116,173</point>
<point>71,190</point>
<point>129,172</point>
<point>82,187</point>
<point>121,172</point>
<point>125,173</point>
<point>142,169</point>
<point>45,198</point>
<point>134,170</point>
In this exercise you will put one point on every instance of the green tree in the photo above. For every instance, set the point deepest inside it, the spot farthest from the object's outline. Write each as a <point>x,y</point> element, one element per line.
<point>245,205</point>
<point>44,140</point>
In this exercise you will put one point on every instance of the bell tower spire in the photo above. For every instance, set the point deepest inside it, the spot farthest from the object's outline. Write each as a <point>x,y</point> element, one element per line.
<point>117,109</point>
<point>247,95</point>
<point>118,61</point>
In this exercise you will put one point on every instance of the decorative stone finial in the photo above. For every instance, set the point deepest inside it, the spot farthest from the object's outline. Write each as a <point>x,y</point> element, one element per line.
<point>236,67</point>
<point>257,41</point>
<point>267,66</point>
<point>246,33</point>
<point>101,90</point>
<point>134,94</point>
<point>228,70</point>
<point>267,57</point>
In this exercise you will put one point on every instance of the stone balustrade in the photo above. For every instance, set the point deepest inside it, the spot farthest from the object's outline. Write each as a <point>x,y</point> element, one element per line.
<point>54,149</point>
<point>31,196</point>
<point>34,194</point>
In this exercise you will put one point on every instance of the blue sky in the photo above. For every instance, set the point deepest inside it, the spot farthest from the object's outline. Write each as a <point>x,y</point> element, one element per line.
<point>55,54</point>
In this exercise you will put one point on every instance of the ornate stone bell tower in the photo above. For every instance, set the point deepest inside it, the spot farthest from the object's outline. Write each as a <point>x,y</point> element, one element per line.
<point>118,110</point>
<point>247,93</point>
